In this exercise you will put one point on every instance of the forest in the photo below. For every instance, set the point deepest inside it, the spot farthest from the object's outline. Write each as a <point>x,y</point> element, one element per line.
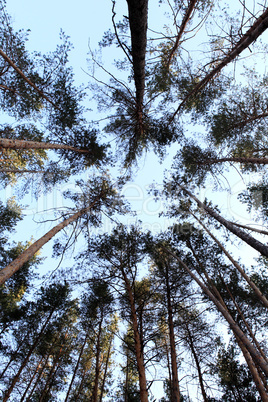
<point>100,306</point>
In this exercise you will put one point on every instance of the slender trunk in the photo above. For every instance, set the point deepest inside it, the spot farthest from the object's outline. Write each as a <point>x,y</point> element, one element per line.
<point>251,241</point>
<point>259,26</point>
<point>175,394</point>
<point>254,372</point>
<point>138,343</point>
<point>264,232</point>
<point>256,356</point>
<point>257,291</point>
<point>13,356</point>
<point>126,380</point>
<point>76,367</point>
<point>33,377</point>
<point>185,20</point>
<point>105,370</point>
<point>200,376</point>
<point>81,385</point>
<point>97,367</point>
<point>29,398</point>
<point>25,361</point>
<point>29,82</point>
<point>15,265</point>
<point>9,143</point>
<point>240,159</point>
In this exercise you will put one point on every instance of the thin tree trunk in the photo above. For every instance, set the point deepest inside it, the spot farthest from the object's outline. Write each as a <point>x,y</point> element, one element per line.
<point>240,159</point>
<point>32,378</point>
<point>25,361</point>
<point>55,362</point>
<point>185,20</point>
<point>76,367</point>
<point>175,394</point>
<point>97,367</point>
<point>251,241</point>
<point>257,358</point>
<point>200,376</point>
<point>81,385</point>
<point>13,65</point>
<point>259,26</point>
<point>105,370</point>
<point>15,265</point>
<point>138,343</point>
<point>257,291</point>
<point>9,143</point>
<point>38,378</point>
<point>264,232</point>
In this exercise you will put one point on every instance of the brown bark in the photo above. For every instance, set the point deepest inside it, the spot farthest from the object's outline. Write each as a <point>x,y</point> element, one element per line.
<point>185,20</point>
<point>256,356</point>
<point>105,370</point>
<point>138,342</point>
<point>251,241</point>
<point>32,378</point>
<point>175,390</point>
<point>38,378</point>
<point>259,26</point>
<point>9,143</point>
<point>13,65</point>
<point>240,159</point>
<point>25,361</point>
<point>97,366</point>
<point>76,368</point>
<point>199,371</point>
<point>257,291</point>
<point>15,265</point>
<point>138,16</point>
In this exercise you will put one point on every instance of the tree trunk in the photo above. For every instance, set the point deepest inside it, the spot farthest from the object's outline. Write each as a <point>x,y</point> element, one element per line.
<point>175,390</point>
<point>32,378</point>
<point>259,26</point>
<point>38,377</point>
<point>256,356</point>
<point>257,245</point>
<point>105,370</point>
<point>97,367</point>
<point>15,265</point>
<point>184,22</point>
<point>9,143</point>
<point>13,65</point>
<point>200,376</point>
<point>76,368</point>
<point>138,343</point>
<point>257,291</point>
<point>25,361</point>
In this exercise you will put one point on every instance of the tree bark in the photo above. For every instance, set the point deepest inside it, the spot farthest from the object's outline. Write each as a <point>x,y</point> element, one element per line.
<point>25,361</point>
<point>9,143</point>
<point>251,241</point>
<point>32,378</point>
<point>256,356</point>
<point>255,288</point>
<point>105,370</point>
<point>29,82</point>
<point>175,394</point>
<point>199,371</point>
<point>15,265</point>
<point>259,26</point>
<point>138,343</point>
<point>185,20</point>
<point>97,366</point>
<point>76,368</point>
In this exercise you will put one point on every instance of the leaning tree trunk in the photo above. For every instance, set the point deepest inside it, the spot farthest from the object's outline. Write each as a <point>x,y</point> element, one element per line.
<point>256,356</point>
<point>26,359</point>
<point>259,26</point>
<point>15,265</point>
<point>10,143</point>
<point>253,286</point>
<point>29,82</point>
<point>97,366</point>
<point>251,241</point>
